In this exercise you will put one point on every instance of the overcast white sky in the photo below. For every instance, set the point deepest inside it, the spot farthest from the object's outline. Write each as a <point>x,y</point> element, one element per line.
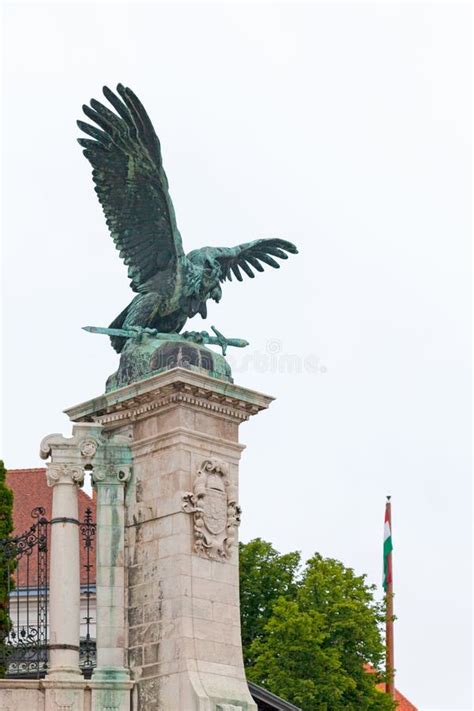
<point>345,129</point>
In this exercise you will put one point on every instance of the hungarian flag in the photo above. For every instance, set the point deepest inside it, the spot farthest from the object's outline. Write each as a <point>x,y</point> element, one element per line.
<point>387,547</point>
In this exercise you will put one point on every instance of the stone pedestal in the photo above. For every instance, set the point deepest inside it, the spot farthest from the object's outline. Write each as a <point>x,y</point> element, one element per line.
<point>181,519</point>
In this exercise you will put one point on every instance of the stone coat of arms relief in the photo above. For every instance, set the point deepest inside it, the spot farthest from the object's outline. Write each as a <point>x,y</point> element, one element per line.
<point>213,503</point>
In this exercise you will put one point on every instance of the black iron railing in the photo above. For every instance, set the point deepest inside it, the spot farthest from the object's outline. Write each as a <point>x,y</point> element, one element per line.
<point>87,647</point>
<point>24,572</point>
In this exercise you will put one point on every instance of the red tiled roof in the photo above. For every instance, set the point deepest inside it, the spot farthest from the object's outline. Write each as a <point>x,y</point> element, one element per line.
<point>31,490</point>
<point>403,703</point>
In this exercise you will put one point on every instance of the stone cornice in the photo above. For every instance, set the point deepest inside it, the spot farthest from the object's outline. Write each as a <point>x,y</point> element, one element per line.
<point>167,389</point>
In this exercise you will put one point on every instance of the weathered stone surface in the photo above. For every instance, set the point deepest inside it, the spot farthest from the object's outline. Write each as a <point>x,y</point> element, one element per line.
<point>57,695</point>
<point>183,623</point>
<point>24,694</point>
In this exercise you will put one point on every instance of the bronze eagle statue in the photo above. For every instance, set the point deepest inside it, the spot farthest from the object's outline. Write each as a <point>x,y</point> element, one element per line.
<point>132,187</point>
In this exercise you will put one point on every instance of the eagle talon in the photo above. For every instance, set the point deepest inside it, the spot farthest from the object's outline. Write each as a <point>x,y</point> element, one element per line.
<point>205,337</point>
<point>196,336</point>
<point>140,332</point>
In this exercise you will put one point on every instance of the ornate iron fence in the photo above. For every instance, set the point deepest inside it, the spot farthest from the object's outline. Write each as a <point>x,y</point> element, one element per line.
<point>24,571</point>
<point>87,650</point>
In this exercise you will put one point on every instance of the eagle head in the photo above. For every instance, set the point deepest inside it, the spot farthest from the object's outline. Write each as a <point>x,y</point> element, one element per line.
<point>209,274</point>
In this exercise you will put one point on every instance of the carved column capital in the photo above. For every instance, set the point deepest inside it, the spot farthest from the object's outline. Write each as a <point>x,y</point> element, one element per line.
<point>111,474</point>
<point>63,473</point>
<point>113,462</point>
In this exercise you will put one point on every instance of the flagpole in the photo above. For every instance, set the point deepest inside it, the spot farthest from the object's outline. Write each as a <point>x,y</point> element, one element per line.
<point>389,640</point>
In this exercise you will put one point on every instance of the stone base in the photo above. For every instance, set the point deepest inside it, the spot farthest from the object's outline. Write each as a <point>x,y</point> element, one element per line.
<point>21,694</point>
<point>205,691</point>
<point>64,695</point>
<point>111,695</point>
<point>48,695</point>
<point>64,673</point>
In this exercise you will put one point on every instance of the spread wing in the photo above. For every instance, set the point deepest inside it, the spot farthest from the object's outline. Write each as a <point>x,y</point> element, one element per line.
<point>252,255</point>
<point>132,187</point>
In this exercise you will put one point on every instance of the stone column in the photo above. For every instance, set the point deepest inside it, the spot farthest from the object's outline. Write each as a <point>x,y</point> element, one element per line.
<point>65,473</point>
<point>112,469</point>
<point>182,515</point>
<point>64,580</point>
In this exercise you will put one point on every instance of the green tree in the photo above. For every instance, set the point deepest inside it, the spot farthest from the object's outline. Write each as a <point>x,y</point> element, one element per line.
<point>6,528</point>
<point>265,576</point>
<point>317,636</point>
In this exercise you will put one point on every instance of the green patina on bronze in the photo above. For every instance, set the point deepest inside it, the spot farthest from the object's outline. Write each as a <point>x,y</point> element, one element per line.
<point>141,358</point>
<point>138,334</point>
<point>132,187</point>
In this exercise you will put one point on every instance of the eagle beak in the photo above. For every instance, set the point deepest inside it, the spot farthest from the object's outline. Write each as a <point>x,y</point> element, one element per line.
<point>216,294</point>
<point>203,309</point>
